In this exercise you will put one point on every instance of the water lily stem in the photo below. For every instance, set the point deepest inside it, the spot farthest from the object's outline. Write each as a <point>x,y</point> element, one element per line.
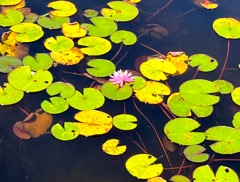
<point>151,49</point>
<point>226,59</point>
<point>119,50</point>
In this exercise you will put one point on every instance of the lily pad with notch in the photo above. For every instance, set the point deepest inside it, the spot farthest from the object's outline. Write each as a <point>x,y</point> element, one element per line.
<point>194,153</point>
<point>65,90</point>
<point>8,63</point>
<point>62,8</point>
<point>11,17</point>
<point>56,105</point>
<point>127,37</point>
<point>60,44</point>
<point>9,95</point>
<point>73,30</point>
<point>111,147</point>
<point>52,22</point>
<point>125,121</point>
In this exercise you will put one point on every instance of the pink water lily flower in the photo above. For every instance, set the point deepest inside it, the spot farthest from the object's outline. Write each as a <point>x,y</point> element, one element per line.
<point>119,77</point>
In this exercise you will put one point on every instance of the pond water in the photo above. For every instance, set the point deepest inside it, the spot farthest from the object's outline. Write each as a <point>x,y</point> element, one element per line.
<point>47,159</point>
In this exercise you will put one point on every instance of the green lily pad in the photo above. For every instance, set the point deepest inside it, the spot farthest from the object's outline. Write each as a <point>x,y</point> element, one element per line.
<point>224,86</point>
<point>62,8</point>
<point>179,130</point>
<point>90,99</point>
<point>139,83</point>
<point>142,166</point>
<point>228,28</point>
<point>121,11</point>
<point>179,178</point>
<point>204,62</point>
<point>95,45</point>
<point>27,32</point>
<point>8,2</point>
<point>60,44</point>
<point>194,153</point>
<point>125,121</point>
<point>127,37</point>
<point>236,95</point>
<point>56,106</point>
<point>89,13</point>
<point>9,95</point>
<point>236,120</point>
<point>157,69</point>
<point>12,17</point>
<point>30,18</point>
<point>69,132</point>
<point>23,79</point>
<point>223,174</point>
<point>114,92</point>
<point>100,67</point>
<point>8,63</point>
<point>65,90</point>
<point>43,61</point>
<point>198,92</point>
<point>228,139</point>
<point>102,27</point>
<point>152,93</point>
<point>52,22</point>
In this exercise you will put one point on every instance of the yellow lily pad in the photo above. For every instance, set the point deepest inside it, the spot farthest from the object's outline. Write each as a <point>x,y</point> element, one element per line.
<point>62,8</point>
<point>111,147</point>
<point>73,30</point>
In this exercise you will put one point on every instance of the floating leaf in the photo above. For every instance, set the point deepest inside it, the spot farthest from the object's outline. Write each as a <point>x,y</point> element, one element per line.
<point>180,178</point>
<point>236,95</point>
<point>11,17</point>
<point>228,28</point>
<point>73,30</point>
<point>179,130</point>
<point>228,139</point>
<point>152,93</point>
<point>100,67</point>
<point>96,45</point>
<point>156,179</point>
<point>60,44</point>
<point>236,120</point>
<point>93,122</point>
<point>224,86</point>
<point>56,106</point>
<point>139,83</point>
<point>121,11</point>
<point>111,147</point>
<point>27,32</point>
<point>209,5</point>
<point>142,166</point>
<point>23,79</point>
<point>65,90</point>
<point>127,37</point>
<point>90,99</point>
<point>30,18</point>
<point>52,22</point>
<point>18,130</point>
<point>89,13</point>
<point>62,8</point>
<point>102,27</point>
<point>43,61</point>
<point>8,3</point>
<point>204,62</point>
<point>9,95</point>
<point>69,132</point>
<point>156,69</point>
<point>114,92</point>
<point>194,153</point>
<point>125,121</point>
<point>154,31</point>
<point>8,63</point>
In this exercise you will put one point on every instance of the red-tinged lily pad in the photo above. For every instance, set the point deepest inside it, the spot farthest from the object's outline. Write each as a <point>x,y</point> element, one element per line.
<point>96,46</point>
<point>41,61</point>
<point>224,86</point>
<point>227,139</point>
<point>19,131</point>
<point>102,27</point>
<point>121,11</point>
<point>152,93</point>
<point>60,44</point>
<point>125,121</point>
<point>56,105</point>
<point>23,79</point>
<point>73,30</point>
<point>111,147</point>
<point>62,8</point>
<point>100,67</point>
<point>9,95</point>
<point>11,17</point>
<point>127,37</point>
<point>65,90</point>
<point>68,132</point>
<point>179,178</point>
<point>179,130</point>
<point>228,28</point>
<point>8,63</point>
<point>142,166</point>
<point>52,22</point>
<point>90,99</point>
<point>236,120</point>
<point>114,92</point>
<point>93,122</point>
<point>204,62</point>
<point>194,153</point>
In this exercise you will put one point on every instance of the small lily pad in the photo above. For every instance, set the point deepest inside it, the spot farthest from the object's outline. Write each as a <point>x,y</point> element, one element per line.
<point>73,30</point>
<point>194,153</point>
<point>111,147</point>
<point>11,17</point>
<point>65,90</point>
<point>9,95</point>
<point>127,37</point>
<point>224,86</point>
<point>139,83</point>
<point>125,121</point>
<point>62,8</point>
<point>236,120</point>
<point>52,22</point>
<point>89,13</point>
<point>8,63</point>
<point>60,44</point>
<point>8,3</point>
<point>56,106</point>
<point>236,95</point>
<point>179,178</point>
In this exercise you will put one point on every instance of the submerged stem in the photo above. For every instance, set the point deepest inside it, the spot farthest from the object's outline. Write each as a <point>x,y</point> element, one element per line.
<point>120,48</point>
<point>226,59</point>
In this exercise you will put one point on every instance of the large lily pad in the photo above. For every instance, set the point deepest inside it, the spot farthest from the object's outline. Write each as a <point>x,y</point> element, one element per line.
<point>127,37</point>
<point>111,147</point>
<point>11,17</point>
<point>9,95</point>
<point>60,44</point>
<point>62,8</point>
<point>8,63</point>
<point>125,121</point>
<point>100,67</point>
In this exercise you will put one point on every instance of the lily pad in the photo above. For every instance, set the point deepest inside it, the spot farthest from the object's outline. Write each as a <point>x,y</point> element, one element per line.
<point>93,122</point>
<point>60,44</point>
<point>55,106</point>
<point>102,27</point>
<point>89,13</point>
<point>8,63</point>
<point>194,153</point>
<point>179,178</point>
<point>11,17</point>
<point>111,147</point>
<point>224,86</point>
<point>42,61</point>
<point>69,132</point>
<point>23,79</point>
<point>142,166</point>
<point>100,67</point>
<point>9,95</point>
<point>139,83</point>
<point>236,95</point>
<point>52,22</point>
<point>8,3</point>
<point>65,90</point>
<point>30,18</point>
<point>90,99</point>
<point>114,92</point>
<point>179,130</point>
<point>204,62</point>
<point>95,45</point>
<point>121,11</point>
<point>127,37</point>
<point>73,30</point>
<point>236,120</point>
<point>125,121</point>
<point>62,8</point>
<point>228,28</point>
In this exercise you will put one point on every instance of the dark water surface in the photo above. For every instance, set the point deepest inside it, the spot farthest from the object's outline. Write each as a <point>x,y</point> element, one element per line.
<point>47,159</point>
